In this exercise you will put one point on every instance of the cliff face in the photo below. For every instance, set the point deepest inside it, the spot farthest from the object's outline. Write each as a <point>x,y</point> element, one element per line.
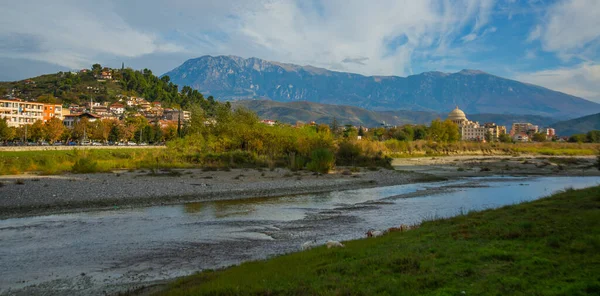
<point>234,78</point>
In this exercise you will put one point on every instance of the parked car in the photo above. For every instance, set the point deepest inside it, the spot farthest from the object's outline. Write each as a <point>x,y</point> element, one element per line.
<point>44,143</point>
<point>59,143</point>
<point>131,143</point>
<point>72,143</point>
<point>96,144</point>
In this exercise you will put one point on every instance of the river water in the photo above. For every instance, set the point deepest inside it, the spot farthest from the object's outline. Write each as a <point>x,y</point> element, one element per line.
<point>92,253</point>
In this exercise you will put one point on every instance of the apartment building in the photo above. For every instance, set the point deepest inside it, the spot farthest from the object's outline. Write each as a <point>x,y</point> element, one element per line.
<point>18,113</point>
<point>523,128</point>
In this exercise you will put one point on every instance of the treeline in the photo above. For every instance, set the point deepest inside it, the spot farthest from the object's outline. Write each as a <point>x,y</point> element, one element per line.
<point>136,129</point>
<point>590,137</point>
<point>154,89</point>
<point>233,138</point>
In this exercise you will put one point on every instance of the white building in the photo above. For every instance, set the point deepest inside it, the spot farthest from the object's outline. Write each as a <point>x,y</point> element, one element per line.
<point>472,130</point>
<point>18,113</point>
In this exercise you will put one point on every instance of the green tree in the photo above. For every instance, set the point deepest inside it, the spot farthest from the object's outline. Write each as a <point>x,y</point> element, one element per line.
<point>539,137</point>
<point>593,136</point>
<point>47,98</point>
<point>505,138</point>
<point>437,131</point>
<point>96,69</point>
<point>488,136</point>
<point>451,131</point>
<point>578,138</point>
<point>6,133</point>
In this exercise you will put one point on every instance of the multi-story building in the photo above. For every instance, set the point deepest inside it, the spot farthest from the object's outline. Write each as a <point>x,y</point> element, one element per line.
<point>18,113</point>
<point>53,110</point>
<point>472,130</point>
<point>549,132</point>
<point>523,128</point>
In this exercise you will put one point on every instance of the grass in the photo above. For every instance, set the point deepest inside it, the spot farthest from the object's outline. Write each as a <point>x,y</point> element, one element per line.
<point>545,247</point>
<point>85,161</point>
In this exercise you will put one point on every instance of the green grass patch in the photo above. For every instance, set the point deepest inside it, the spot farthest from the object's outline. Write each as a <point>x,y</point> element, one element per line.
<point>545,247</point>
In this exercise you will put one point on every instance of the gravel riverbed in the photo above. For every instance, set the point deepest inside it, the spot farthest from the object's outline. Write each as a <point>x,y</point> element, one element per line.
<point>26,195</point>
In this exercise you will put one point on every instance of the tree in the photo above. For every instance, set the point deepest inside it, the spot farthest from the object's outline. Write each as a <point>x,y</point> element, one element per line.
<point>81,128</point>
<point>334,126</point>
<point>437,131</point>
<point>48,98</point>
<point>100,129</point>
<point>96,69</point>
<point>420,132</point>
<point>488,136</point>
<point>578,138</point>
<point>6,133</point>
<point>54,129</point>
<point>593,136</point>
<point>505,138</point>
<point>37,131</point>
<point>451,131</point>
<point>361,132</point>
<point>539,137</point>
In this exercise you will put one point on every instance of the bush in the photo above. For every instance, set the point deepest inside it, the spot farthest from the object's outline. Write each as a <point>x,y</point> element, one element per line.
<point>322,161</point>
<point>85,165</point>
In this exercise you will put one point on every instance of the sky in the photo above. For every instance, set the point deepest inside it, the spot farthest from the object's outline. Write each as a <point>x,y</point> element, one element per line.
<point>555,44</point>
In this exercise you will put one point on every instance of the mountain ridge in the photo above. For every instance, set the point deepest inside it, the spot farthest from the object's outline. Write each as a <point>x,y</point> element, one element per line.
<point>292,112</point>
<point>579,125</point>
<point>234,78</point>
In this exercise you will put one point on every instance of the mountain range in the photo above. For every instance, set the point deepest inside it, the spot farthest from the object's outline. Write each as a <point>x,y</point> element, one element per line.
<point>292,112</point>
<point>234,78</point>
<point>578,125</point>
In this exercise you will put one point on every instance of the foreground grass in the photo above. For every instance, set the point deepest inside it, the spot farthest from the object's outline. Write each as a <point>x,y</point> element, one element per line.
<point>546,247</point>
<point>88,161</point>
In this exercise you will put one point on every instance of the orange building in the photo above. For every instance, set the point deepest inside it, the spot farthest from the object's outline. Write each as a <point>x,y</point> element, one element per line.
<point>53,110</point>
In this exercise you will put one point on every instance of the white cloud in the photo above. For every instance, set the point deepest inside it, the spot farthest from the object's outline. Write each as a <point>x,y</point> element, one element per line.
<point>73,34</point>
<point>570,28</point>
<point>469,37</point>
<point>321,33</point>
<point>581,80</point>
<point>535,34</point>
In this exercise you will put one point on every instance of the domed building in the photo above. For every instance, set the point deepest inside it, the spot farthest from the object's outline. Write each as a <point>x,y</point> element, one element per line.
<point>457,116</point>
<point>471,130</point>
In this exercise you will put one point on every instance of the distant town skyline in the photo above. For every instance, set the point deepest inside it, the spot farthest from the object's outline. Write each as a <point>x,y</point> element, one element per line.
<point>555,44</point>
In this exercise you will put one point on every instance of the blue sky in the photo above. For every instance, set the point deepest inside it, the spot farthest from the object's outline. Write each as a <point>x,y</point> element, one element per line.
<point>555,44</point>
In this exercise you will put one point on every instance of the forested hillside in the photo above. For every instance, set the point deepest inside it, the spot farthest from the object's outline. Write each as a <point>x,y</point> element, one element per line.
<point>79,87</point>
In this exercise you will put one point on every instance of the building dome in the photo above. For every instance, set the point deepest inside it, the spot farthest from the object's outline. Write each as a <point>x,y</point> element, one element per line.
<point>457,115</point>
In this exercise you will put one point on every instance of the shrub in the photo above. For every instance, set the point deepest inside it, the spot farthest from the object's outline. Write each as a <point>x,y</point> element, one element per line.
<point>85,165</point>
<point>322,160</point>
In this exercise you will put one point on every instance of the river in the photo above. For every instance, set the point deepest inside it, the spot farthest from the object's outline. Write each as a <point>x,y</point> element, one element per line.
<point>92,253</point>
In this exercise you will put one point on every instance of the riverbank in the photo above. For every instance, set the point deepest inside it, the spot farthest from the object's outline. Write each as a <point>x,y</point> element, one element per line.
<point>472,166</point>
<point>27,195</point>
<point>33,194</point>
<point>545,247</point>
